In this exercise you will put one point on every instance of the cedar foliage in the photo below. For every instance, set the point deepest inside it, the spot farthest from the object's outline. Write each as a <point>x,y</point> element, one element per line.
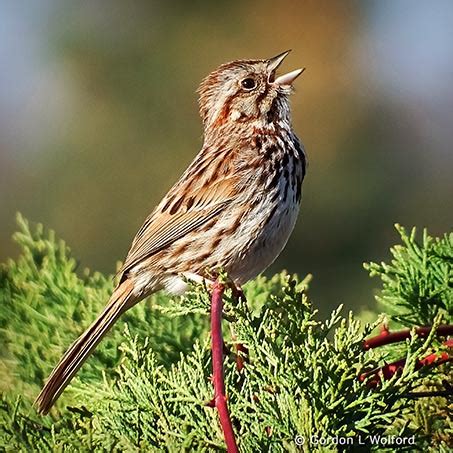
<point>147,386</point>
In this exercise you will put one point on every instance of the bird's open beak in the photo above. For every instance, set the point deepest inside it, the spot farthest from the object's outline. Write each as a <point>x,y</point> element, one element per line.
<point>285,79</point>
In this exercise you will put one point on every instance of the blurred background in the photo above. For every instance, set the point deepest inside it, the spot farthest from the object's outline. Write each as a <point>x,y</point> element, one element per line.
<point>98,118</point>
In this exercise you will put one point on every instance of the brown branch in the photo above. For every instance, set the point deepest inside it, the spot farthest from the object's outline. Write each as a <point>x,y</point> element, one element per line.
<point>414,395</point>
<point>220,399</point>
<point>241,355</point>
<point>240,350</point>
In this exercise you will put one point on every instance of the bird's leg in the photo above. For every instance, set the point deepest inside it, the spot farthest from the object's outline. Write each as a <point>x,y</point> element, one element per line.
<point>220,399</point>
<point>237,292</point>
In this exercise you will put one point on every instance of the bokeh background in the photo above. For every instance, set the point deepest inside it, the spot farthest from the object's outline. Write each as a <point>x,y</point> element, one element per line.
<point>98,117</point>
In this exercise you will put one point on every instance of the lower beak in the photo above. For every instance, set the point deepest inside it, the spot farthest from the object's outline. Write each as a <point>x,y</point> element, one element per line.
<point>289,78</point>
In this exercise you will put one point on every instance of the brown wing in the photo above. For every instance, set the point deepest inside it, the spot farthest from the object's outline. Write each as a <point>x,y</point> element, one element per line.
<point>202,193</point>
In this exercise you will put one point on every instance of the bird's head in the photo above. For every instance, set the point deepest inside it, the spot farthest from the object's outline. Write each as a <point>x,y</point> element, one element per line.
<point>246,91</point>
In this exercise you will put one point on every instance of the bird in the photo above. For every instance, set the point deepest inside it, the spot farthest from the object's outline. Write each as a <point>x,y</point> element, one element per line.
<point>233,209</point>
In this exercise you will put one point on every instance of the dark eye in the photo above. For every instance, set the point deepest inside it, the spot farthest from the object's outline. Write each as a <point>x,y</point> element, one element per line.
<point>248,83</point>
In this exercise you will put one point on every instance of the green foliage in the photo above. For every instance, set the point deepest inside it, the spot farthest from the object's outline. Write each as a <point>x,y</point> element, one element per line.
<point>46,305</point>
<point>418,283</point>
<point>300,376</point>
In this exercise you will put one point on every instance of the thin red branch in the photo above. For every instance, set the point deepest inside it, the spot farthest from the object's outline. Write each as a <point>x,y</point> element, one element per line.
<point>385,337</point>
<point>220,399</point>
<point>388,371</point>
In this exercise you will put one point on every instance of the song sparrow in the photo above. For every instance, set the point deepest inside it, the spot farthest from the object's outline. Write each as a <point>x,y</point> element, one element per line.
<point>233,208</point>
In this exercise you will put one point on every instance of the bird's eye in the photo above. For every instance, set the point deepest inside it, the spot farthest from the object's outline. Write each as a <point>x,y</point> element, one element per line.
<point>248,83</point>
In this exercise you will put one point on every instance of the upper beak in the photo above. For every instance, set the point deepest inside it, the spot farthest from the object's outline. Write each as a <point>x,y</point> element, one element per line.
<point>285,79</point>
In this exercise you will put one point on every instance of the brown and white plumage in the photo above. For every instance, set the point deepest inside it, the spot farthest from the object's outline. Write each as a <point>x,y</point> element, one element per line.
<point>233,208</point>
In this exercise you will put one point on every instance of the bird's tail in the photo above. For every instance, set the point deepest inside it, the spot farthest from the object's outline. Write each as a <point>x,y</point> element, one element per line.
<point>122,299</point>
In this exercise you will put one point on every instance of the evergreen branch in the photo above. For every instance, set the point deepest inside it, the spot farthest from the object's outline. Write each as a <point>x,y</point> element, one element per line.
<point>417,282</point>
<point>300,377</point>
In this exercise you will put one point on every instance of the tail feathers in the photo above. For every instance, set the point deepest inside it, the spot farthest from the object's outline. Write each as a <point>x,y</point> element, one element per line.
<point>75,356</point>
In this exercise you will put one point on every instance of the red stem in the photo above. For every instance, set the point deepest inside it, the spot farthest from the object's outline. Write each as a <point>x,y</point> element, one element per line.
<point>385,337</point>
<point>220,399</point>
<point>388,370</point>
